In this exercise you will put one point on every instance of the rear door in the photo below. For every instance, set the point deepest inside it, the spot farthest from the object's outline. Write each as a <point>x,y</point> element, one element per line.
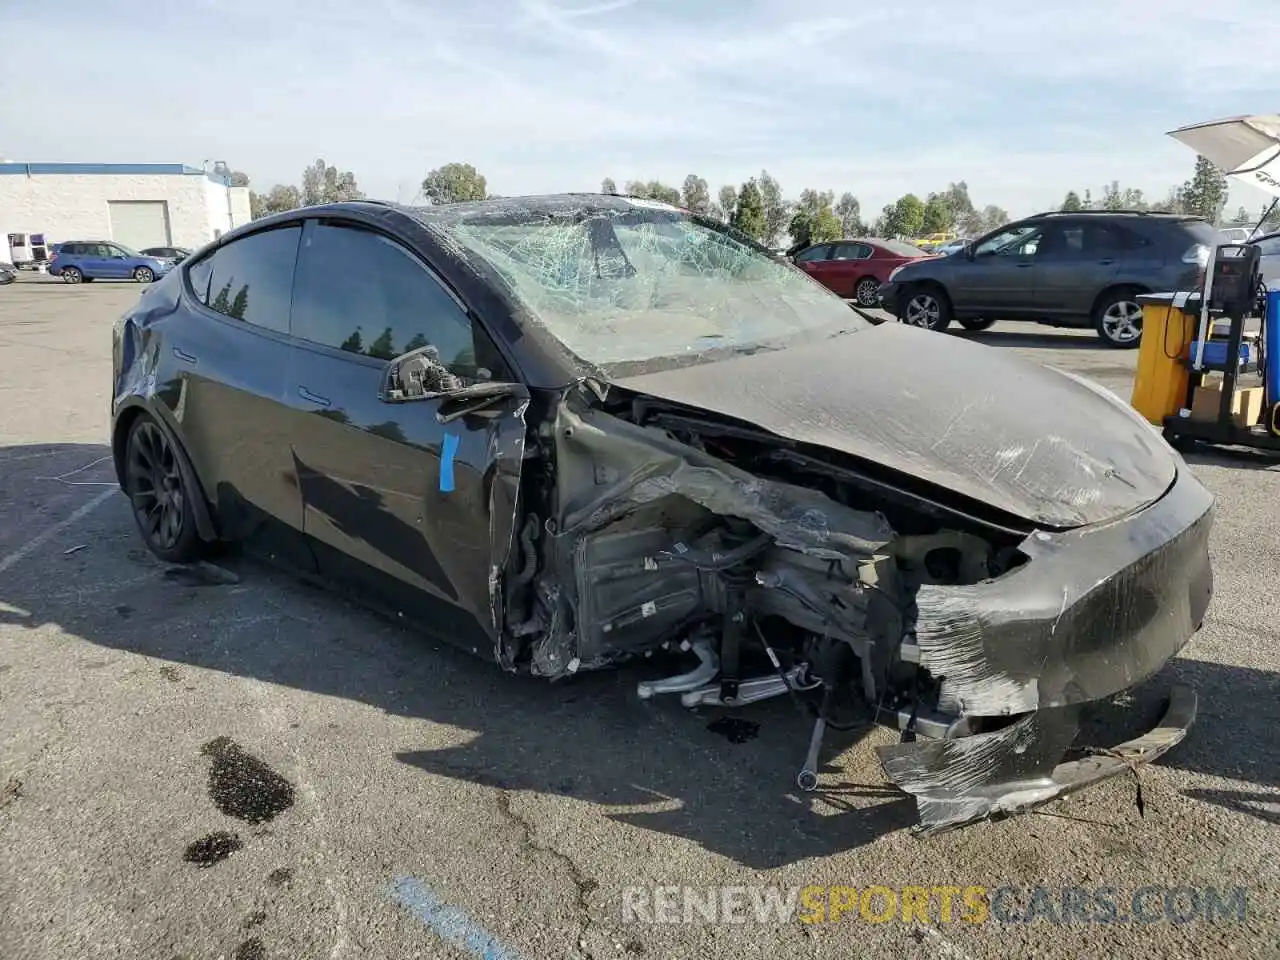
<point>1075,261</point>
<point>229,398</point>
<point>999,278</point>
<point>402,502</point>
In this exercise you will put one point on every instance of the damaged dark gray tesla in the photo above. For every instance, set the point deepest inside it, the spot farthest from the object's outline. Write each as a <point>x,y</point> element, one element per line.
<point>570,431</point>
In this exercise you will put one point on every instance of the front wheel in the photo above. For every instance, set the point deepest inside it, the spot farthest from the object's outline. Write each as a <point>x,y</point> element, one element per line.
<point>158,494</point>
<point>144,275</point>
<point>1118,320</point>
<point>927,307</point>
<point>867,292</point>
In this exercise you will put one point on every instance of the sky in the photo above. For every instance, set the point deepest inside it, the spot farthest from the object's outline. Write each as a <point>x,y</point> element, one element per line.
<point>1023,101</point>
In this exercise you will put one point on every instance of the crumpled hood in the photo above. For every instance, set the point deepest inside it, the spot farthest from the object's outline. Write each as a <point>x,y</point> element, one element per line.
<point>977,420</point>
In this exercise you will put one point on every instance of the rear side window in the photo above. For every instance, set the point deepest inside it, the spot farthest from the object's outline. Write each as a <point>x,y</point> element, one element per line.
<point>851,251</point>
<point>251,279</point>
<point>361,292</point>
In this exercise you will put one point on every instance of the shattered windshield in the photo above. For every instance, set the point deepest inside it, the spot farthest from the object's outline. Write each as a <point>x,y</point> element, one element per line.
<point>649,288</point>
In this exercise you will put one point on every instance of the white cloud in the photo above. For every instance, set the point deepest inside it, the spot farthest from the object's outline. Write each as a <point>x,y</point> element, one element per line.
<point>1023,102</point>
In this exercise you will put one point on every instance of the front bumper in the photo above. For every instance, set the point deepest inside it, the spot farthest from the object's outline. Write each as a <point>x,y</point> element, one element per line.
<point>889,295</point>
<point>1092,613</point>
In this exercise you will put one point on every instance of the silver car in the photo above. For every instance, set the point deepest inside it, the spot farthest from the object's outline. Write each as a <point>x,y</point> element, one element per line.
<point>1269,249</point>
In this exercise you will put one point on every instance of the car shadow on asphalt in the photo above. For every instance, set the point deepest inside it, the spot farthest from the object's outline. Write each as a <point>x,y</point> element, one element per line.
<point>1066,340</point>
<point>729,788</point>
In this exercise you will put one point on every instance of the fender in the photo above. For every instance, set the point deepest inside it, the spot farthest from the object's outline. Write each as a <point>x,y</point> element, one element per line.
<point>131,407</point>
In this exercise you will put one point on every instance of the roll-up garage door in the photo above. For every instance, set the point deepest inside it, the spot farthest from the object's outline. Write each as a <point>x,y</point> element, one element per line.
<point>140,223</point>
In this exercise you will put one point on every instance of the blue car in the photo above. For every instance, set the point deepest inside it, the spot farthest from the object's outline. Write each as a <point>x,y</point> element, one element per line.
<point>99,260</point>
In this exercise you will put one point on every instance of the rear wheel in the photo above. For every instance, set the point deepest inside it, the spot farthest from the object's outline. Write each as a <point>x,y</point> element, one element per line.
<point>1118,319</point>
<point>867,292</point>
<point>71,275</point>
<point>975,323</point>
<point>158,494</point>
<point>926,306</point>
<point>144,275</point>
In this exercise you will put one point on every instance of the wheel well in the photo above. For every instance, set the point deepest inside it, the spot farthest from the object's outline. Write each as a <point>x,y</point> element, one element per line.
<point>200,502</point>
<point>118,437</point>
<point>1111,291</point>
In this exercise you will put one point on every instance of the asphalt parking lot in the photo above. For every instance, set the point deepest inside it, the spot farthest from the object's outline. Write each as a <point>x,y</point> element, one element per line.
<point>408,801</point>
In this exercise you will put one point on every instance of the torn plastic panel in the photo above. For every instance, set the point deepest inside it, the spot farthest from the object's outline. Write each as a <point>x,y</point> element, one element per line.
<point>1017,768</point>
<point>1093,612</point>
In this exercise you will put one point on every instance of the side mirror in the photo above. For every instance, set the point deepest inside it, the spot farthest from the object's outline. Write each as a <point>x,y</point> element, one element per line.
<point>419,375</point>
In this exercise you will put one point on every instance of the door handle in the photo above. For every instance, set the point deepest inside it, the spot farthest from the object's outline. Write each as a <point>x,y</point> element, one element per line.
<point>1106,262</point>
<point>310,397</point>
<point>1024,264</point>
<point>183,355</point>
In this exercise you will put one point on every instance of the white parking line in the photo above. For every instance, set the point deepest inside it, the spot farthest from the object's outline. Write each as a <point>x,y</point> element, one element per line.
<point>35,543</point>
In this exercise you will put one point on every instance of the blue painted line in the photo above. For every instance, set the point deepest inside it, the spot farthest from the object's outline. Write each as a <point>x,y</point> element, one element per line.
<point>449,923</point>
<point>447,453</point>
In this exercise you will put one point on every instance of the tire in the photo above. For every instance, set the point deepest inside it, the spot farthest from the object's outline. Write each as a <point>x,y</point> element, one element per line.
<point>71,275</point>
<point>974,324</point>
<point>144,275</point>
<point>866,292</point>
<point>925,305</point>
<point>158,494</point>
<point>1118,319</point>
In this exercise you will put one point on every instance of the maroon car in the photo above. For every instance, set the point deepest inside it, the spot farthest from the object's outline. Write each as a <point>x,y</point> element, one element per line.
<point>855,268</point>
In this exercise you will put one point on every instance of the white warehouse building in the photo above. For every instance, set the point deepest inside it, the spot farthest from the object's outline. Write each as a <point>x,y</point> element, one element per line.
<point>138,205</point>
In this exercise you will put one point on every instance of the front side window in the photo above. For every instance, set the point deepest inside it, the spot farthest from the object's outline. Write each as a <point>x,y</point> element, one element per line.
<point>1013,241</point>
<point>648,288</point>
<point>252,278</point>
<point>361,292</point>
<point>813,253</point>
<point>851,251</point>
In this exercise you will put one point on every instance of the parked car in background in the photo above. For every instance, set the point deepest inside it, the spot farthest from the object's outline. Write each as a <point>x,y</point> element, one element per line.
<point>1235,234</point>
<point>932,241</point>
<point>951,246</point>
<point>855,269</point>
<point>1066,269</point>
<point>89,260</point>
<point>8,273</point>
<point>1269,257</point>
<point>172,254</point>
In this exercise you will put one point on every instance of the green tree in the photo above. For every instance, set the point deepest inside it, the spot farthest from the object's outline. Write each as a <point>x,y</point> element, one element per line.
<point>849,211</point>
<point>353,343</point>
<point>696,194</point>
<point>416,342</point>
<point>222,302</point>
<point>653,190</point>
<point>608,186</point>
<point>454,183</point>
<point>238,178</point>
<point>240,304</point>
<point>938,217</point>
<point>276,200</point>
<point>963,214</point>
<point>1205,194</point>
<point>390,430</point>
<point>748,212</point>
<point>1072,204</point>
<point>1115,198</point>
<point>813,220</point>
<point>322,183</point>
<point>726,201</point>
<point>776,209</point>
<point>992,218</point>
<point>382,347</point>
<point>904,218</point>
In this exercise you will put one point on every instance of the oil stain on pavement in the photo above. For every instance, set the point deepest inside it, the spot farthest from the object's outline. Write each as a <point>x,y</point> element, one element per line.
<point>243,786</point>
<point>212,848</point>
<point>735,729</point>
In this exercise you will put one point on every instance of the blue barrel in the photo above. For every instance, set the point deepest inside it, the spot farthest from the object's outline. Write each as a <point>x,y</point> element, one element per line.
<point>1271,346</point>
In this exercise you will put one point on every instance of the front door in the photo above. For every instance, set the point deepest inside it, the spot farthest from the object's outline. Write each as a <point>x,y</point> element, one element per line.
<point>116,263</point>
<point>392,496</point>
<point>998,278</point>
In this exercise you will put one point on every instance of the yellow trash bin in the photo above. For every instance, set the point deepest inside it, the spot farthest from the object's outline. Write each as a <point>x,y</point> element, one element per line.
<point>1160,384</point>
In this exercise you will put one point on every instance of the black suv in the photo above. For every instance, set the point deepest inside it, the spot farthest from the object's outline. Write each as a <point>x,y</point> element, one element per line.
<point>1064,269</point>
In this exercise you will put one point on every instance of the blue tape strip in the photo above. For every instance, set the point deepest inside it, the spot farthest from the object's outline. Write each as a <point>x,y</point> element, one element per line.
<point>449,923</point>
<point>447,453</point>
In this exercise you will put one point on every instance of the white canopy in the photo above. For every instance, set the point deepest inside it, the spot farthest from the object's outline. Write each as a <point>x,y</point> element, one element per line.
<point>1245,148</point>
